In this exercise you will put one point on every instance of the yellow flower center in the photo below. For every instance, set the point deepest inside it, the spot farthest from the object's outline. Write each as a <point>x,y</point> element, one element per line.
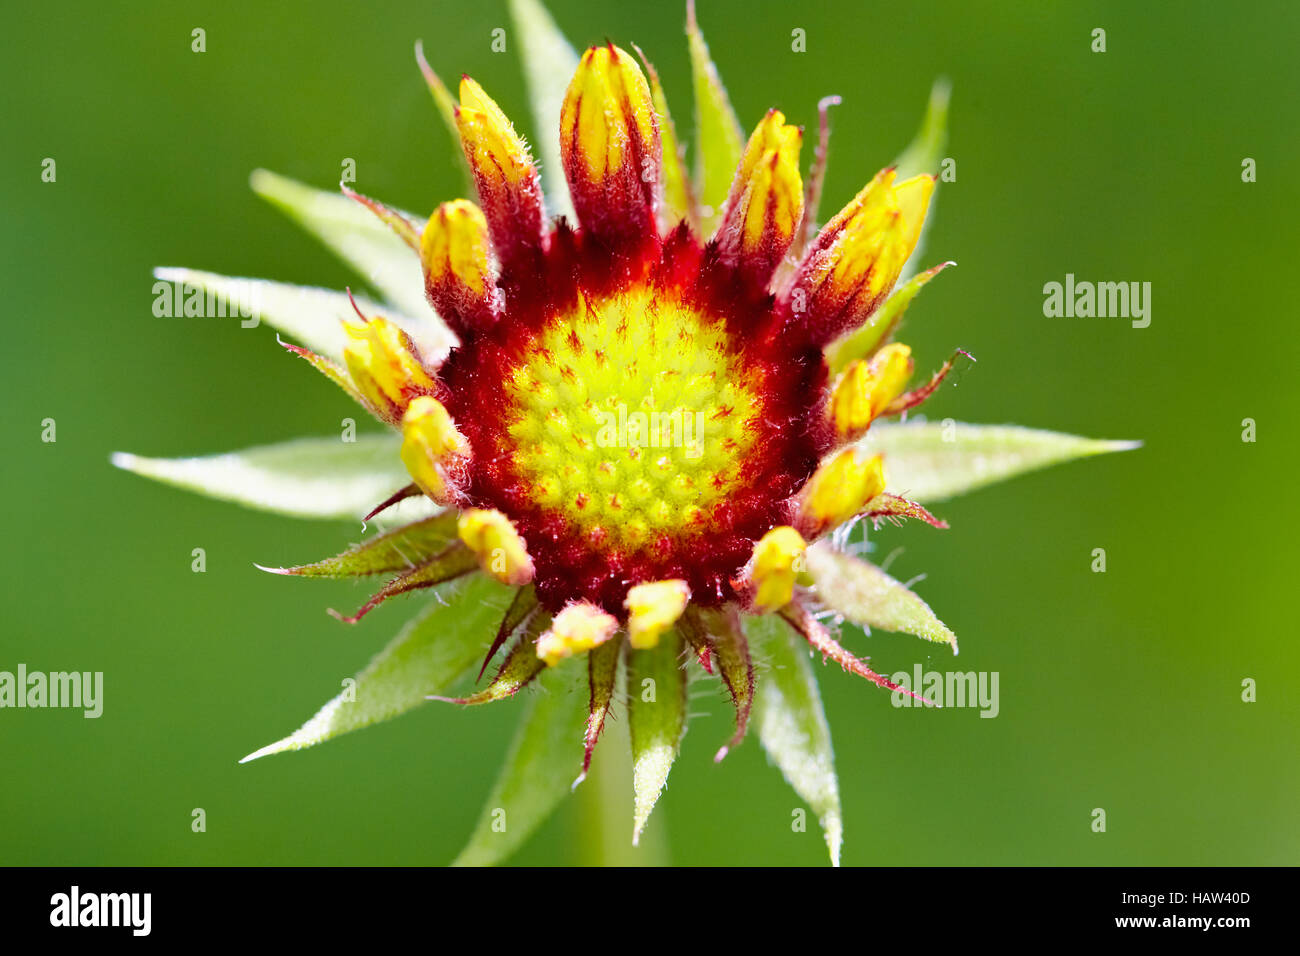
<point>630,416</point>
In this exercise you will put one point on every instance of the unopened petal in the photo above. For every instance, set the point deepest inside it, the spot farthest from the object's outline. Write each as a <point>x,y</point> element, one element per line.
<point>578,628</point>
<point>610,143</point>
<point>867,388</point>
<point>766,201</point>
<point>385,366</point>
<point>454,253</point>
<point>774,567</point>
<point>653,608</point>
<point>500,550</point>
<point>431,445</point>
<point>839,489</point>
<point>508,186</point>
<point>857,257</point>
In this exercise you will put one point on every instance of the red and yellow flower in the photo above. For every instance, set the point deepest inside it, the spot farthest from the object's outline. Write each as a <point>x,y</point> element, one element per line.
<point>650,428</point>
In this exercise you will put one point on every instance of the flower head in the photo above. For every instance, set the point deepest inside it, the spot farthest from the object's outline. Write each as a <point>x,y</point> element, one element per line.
<point>653,431</point>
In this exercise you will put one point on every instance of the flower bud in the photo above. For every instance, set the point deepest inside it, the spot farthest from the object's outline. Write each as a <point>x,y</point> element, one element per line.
<point>653,608</point>
<point>576,629</point>
<point>385,366</point>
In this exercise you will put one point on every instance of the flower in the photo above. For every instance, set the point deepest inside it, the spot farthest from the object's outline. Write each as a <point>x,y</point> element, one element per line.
<point>647,428</point>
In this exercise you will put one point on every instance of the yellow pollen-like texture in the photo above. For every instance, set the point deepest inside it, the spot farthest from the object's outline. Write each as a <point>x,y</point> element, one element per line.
<point>630,417</point>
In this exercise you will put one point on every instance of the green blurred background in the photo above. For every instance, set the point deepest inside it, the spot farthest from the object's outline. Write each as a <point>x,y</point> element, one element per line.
<point>1119,690</point>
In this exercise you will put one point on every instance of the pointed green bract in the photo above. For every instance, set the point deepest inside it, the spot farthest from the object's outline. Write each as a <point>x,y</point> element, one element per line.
<point>932,461</point>
<point>656,692</point>
<point>442,98</point>
<point>679,200</point>
<point>725,636</point>
<point>538,771</point>
<point>792,725</point>
<point>310,316</point>
<point>335,372</point>
<point>549,64</point>
<point>446,106</point>
<point>520,668</point>
<point>427,657</point>
<point>305,478</point>
<point>398,550</point>
<point>868,596</point>
<point>867,338</point>
<point>602,675</point>
<point>452,562</point>
<point>521,609</point>
<point>719,140</point>
<point>355,235</point>
<point>923,155</point>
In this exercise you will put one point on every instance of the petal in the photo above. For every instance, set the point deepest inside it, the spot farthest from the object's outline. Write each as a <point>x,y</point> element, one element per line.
<point>457,279</point>
<point>609,140</point>
<point>765,205</point>
<point>428,656</point>
<point>855,260</point>
<point>500,550</point>
<point>867,389</point>
<point>925,152</point>
<point>869,597</point>
<point>578,628</point>
<point>656,721</point>
<point>653,608</point>
<point>433,450</point>
<point>773,568</point>
<point>385,366</point>
<point>679,192</point>
<point>838,490</point>
<point>509,189</point>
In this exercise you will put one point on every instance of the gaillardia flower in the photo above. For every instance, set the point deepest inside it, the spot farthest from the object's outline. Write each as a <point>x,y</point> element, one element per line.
<point>635,428</point>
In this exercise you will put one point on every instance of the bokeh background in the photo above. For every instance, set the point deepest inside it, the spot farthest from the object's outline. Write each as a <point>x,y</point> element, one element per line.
<point>1119,690</point>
